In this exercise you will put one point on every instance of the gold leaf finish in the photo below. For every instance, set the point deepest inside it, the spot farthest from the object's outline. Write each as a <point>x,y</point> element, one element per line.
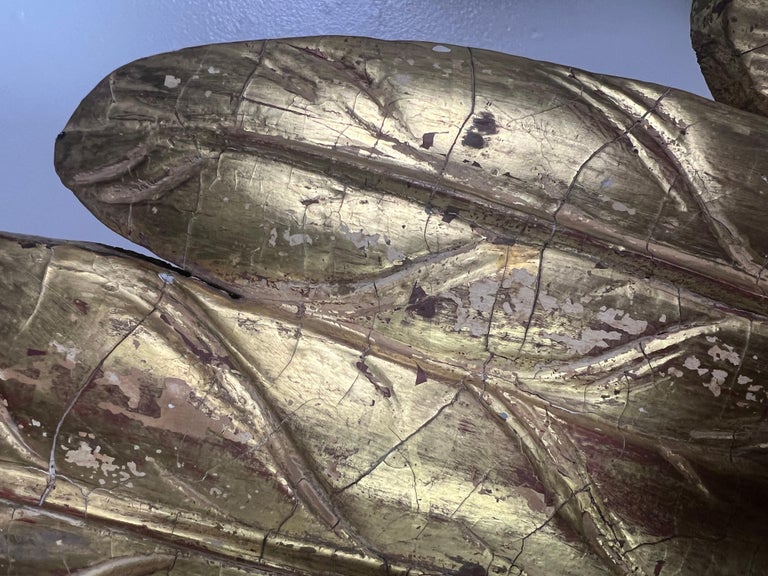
<point>432,310</point>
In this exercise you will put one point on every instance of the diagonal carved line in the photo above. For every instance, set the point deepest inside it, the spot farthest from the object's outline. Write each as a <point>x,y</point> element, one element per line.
<point>401,443</point>
<point>86,382</point>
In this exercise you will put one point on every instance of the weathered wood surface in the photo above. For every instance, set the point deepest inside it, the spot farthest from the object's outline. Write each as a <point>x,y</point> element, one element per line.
<point>451,312</point>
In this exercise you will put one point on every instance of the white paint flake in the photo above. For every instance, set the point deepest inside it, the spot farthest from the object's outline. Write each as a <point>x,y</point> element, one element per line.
<point>570,308</point>
<point>296,239</point>
<point>621,207</point>
<point>726,353</point>
<point>360,239</point>
<point>523,301</point>
<point>70,352</point>
<point>132,467</point>
<point>88,457</point>
<point>522,276</point>
<point>717,381</point>
<point>621,320</point>
<point>482,294</point>
<point>589,339</point>
<point>171,81</point>
<point>752,392</point>
<point>547,302</point>
<point>692,363</point>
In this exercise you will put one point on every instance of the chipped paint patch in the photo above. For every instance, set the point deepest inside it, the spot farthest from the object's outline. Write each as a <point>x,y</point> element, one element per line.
<point>692,363</point>
<point>360,239</point>
<point>621,207</point>
<point>129,384</point>
<point>589,340</point>
<point>70,353</point>
<point>726,353</point>
<point>621,320</point>
<point>166,277</point>
<point>395,255</point>
<point>482,294</point>
<point>171,81</point>
<point>570,308</point>
<point>88,457</point>
<point>717,381</point>
<point>522,301</point>
<point>672,371</point>
<point>295,239</point>
<point>134,470</point>
<point>522,276</point>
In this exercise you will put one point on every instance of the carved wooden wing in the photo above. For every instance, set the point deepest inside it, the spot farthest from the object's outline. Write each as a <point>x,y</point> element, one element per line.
<point>430,310</point>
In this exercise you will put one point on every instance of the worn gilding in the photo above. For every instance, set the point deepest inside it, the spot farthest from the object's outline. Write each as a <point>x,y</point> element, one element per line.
<point>434,310</point>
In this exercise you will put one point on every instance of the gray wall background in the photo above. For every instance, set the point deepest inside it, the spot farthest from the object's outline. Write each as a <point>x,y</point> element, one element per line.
<point>54,52</point>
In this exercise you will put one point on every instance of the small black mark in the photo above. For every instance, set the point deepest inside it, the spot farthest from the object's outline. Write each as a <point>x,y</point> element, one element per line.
<point>473,140</point>
<point>485,123</point>
<point>363,367</point>
<point>417,293</point>
<point>81,306</point>
<point>450,213</point>
<point>36,352</point>
<point>421,376</point>
<point>657,569</point>
<point>310,201</point>
<point>425,308</point>
<point>420,303</point>
<point>471,569</point>
<point>482,124</point>
<point>428,139</point>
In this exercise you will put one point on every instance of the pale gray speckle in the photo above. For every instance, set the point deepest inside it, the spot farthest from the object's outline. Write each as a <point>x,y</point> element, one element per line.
<point>622,321</point>
<point>171,81</point>
<point>726,353</point>
<point>482,295</point>
<point>589,339</point>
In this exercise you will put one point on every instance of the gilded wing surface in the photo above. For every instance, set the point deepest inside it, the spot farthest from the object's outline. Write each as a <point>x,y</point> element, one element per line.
<point>431,310</point>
